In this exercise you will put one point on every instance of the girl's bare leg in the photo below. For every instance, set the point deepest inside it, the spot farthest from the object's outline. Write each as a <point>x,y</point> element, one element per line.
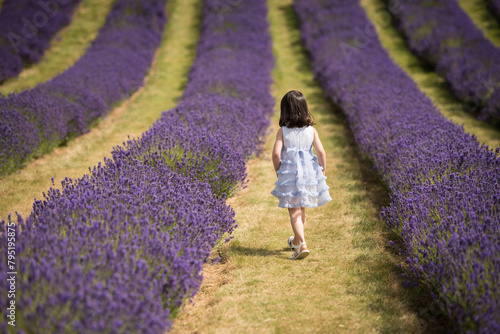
<point>297,226</point>
<point>303,216</point>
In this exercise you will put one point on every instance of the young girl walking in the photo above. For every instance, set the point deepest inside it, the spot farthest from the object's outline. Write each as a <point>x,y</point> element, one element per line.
<point>301,174</point>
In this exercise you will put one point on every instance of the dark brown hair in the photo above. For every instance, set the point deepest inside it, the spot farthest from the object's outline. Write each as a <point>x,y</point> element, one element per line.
<point>294,111</point>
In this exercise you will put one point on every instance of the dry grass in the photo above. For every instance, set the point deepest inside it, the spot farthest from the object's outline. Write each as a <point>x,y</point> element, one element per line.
<point>434,86</point>
<point>163,86</point>
<point>65,48</point>
<point>214,277</point>
<point>351,282</point>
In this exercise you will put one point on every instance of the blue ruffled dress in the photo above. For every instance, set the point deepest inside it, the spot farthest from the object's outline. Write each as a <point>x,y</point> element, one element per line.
<point>301,182</point>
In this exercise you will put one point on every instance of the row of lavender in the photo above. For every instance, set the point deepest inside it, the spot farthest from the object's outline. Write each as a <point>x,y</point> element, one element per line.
<point>35,121</point>
<point>119,250</point>
<point>27,28</point>
<point>445,36</point>
<point>444,186</point>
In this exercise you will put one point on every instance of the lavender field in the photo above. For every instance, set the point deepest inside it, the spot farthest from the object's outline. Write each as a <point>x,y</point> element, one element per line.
<point>410,242</point>
<point>459,52</point>
<point>27,28</point>
<point>35,121</point>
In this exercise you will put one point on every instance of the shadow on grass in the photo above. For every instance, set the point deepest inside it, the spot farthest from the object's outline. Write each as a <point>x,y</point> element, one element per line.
<point>382,274</point>
<point>248,251</point>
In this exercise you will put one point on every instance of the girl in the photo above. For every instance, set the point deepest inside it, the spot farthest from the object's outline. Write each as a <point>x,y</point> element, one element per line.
<point>301,175</point>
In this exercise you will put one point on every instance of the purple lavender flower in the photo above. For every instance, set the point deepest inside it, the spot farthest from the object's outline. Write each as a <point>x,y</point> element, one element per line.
<point>27,28</point>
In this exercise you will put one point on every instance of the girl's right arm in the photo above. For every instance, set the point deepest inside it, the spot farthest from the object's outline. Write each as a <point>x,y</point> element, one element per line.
<point>320,151</point>
<point>278,145</point>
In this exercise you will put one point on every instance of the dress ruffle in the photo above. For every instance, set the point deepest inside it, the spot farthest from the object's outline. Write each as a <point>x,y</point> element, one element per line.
<point>301,182</point>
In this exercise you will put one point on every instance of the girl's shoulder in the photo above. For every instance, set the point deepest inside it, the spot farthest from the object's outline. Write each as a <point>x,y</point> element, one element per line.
<point>279,134</point>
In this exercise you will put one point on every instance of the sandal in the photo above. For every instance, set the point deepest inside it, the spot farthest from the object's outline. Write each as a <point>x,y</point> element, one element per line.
<point>300,254</point>
<point>290,243</point>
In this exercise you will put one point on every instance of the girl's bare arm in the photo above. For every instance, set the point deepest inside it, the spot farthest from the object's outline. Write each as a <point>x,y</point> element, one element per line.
<point>278,145</point>
<point>320,151</point>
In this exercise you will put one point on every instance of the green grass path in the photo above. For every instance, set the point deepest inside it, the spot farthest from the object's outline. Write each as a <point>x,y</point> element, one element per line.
<point>164,85</point>
<point>351,282</point>
<point>66,47</point>
<point>434,86</point>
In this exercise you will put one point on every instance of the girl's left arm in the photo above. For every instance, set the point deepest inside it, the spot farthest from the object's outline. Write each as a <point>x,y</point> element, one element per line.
<point>278,145</point>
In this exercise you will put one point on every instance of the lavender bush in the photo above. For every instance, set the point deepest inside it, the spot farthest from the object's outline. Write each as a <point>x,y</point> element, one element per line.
<point>115,251</point>
<point>444,35</point>
<point>27,28</point>
<point>444,186</point>
<point>121,248</point>
<point>33,122</point>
